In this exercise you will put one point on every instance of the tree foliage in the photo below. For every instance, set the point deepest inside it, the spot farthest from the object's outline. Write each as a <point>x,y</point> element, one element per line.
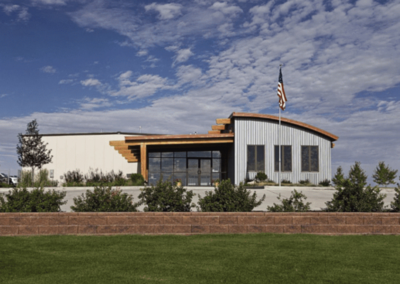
<point>31,149</point>
<point>294,203</point>
<point>104,199</point>
<point>352,194</point>
<point>261,176</point>
<point>228,198</point>
<point>165,197</point>
<point>383,175</point>
<point>339,177</point>
<point>37,200</point>
<point>395,204</point>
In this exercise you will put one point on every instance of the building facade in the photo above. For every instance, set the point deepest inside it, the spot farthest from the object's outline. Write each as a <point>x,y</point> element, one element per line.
<point>237,148</point>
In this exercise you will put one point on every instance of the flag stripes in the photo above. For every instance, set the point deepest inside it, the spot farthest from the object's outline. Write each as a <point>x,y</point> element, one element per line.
<point>281,92</point>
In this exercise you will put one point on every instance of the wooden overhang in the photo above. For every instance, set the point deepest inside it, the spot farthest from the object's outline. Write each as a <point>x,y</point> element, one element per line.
<point>134,148</point>
<point>327,134</point>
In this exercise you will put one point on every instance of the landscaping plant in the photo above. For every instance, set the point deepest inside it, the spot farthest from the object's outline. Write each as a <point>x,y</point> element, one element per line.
<point>228,198</point>
<point>261,176</point>
<point>104,199</point>
<point>383,175</point>
<point>74,178</point>
<point>325,182</point>
<point>294,203</point>
<point>395,204</point>
<point>166,197</point>
<point>41,179</point>
<point>338,179</point>
<point>37,200</point>
<point>352,194</point>
<point>137,179</point>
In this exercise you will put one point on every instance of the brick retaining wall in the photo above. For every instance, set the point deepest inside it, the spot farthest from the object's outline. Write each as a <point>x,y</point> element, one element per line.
<point>13,224</point>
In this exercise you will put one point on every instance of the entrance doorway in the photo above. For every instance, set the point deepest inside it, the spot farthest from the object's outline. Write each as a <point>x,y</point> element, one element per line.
<point>199,171</point>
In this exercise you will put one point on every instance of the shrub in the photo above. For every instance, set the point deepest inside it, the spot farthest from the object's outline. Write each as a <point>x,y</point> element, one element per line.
<point>96,178</point>
<point>352,196</point>
<point>286,181</point>
<point>74,178</point>
<point>41,179</point>
<point>261,176</point>
<point>383,175</point>
<point>104,199</point>
<point>137,179</point>
<point>165,197</point>
<point>307,181</point>
<point>37,200</point>
<point>338,179</point>
<point>396,202</point>
<point>325,182</point>
<point>25,179</point>
<point>228,198</point>
<point>294,203</point>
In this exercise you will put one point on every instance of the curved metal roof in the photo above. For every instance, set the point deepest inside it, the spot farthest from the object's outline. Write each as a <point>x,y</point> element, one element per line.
<point>285,120</point>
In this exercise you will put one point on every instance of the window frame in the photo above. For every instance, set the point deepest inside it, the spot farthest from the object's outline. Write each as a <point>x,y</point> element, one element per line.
<point>309,159</point>
<point>282,159</point>
<point>255,158</point>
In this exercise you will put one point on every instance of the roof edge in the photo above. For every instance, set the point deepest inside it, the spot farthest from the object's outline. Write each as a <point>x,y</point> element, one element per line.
<point>331,136</point>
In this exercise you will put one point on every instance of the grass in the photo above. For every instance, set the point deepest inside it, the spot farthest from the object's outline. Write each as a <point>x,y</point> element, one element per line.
<point>258,258</point>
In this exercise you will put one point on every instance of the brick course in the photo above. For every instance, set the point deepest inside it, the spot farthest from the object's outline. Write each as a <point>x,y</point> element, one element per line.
<point>188,223</point>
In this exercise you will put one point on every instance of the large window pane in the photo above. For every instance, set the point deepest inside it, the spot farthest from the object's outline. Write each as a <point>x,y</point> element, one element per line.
<point>167,154</point>
<point>314,158</point>
<point>154,177</point>
<point>260,159</point>
<point>180,154</point>
<point>305,159</point>
<point>167,176</point>
<point>287,159</point>
<point>251,158</point>
<point>216,167</point>
<point>180,176</point>
<point>167,164</point>
<point>180,164</point>
<point>216,154</point>
<point>200,154</point>
<point>276,150</point>
<point>154,164</point>
<point>155,155</point>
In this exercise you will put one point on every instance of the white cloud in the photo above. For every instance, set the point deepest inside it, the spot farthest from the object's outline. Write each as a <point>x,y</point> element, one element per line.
<point>189,74</point>
<point>182,55</point>
<point>22,12</point>
<point>93,103</point>
<point>66,81</point>
<point>166,11</point>
<point>48,69</point>
<point>49,2</point>
<point>8,9</point>
<point>225,8</point>
<point>3,95</point>
<point>90,82</point>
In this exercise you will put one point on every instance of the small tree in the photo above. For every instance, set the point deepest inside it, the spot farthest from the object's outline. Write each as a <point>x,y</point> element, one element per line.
<point>339,177</point>
<point>261,176</point>
<point>31,149</point>
<point>227,198</point>
<point>383,175</point>
<point>352,196</point>
<point>294,203</point>
<point>396,202</point>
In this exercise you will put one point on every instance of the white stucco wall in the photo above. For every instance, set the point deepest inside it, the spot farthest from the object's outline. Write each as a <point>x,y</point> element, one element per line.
<point>85,152</point>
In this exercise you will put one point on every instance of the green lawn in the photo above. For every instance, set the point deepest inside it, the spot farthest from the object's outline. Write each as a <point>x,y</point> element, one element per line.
<point>258,258</point>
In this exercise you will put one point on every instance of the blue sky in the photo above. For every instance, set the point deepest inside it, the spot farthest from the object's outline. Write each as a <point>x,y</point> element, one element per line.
<point>176,66</point>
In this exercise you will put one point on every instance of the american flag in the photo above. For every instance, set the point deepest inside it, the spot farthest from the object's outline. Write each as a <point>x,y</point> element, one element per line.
<point>281,92</point>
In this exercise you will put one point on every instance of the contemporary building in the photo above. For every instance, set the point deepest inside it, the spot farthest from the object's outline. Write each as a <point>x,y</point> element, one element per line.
<point>237,148</point>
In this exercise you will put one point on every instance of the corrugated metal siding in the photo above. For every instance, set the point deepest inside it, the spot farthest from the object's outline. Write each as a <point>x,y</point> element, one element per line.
<point>258,132</point>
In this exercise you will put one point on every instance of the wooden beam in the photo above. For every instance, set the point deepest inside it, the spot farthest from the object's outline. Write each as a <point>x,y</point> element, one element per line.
<point>218,127</point>
<point>173,142</point>
<point>143,160</point>
<point>125,151</point>
<point>214,132</point>
<point>117,143</point>
<point>332,145</point>
<point>132,160</point>
<point>121,147</point>
<point>223,121</point>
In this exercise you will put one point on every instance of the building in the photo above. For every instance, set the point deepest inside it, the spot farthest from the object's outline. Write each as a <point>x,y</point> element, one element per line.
<point>237,148</point>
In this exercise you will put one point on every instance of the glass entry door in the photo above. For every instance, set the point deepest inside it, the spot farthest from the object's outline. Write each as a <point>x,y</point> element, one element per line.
<point>199,171</point>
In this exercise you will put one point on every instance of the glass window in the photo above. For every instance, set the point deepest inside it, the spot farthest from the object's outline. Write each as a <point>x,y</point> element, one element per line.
<point>180,164</point>
<point>286,158</point>
<point>216,167</point>
<point>255,158</point>
<point>309,159</point>
<point>154,177</point>
<point>154,164</point>
<point>181,177</point>
<point>180,154</point>
<point>167,164</point>
<point>167,154</point>
<point>200,154</point>
<point>154,154</point>
<point>216,154</point>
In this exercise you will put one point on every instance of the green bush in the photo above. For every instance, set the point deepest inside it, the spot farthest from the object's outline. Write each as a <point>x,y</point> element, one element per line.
<point>25,179</point>
<point>228,198</point>
<point>352,196</point>
<point>384,175</point>
<point>307,181</point>
<point>6,185</point>
<point>104,199</point>
<point>74,178</point>
<point>137,179</point>
<point>261,176</point>
<point>165,197</point>
<point>41,179</point>
<point>37,200</point>
<point>396,202</point>
<point>286,181</point>
<point>294,203</point>
<point>325,182</point>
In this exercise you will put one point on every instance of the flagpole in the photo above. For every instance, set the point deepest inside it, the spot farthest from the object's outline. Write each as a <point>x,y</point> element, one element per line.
<point>279,143</point>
